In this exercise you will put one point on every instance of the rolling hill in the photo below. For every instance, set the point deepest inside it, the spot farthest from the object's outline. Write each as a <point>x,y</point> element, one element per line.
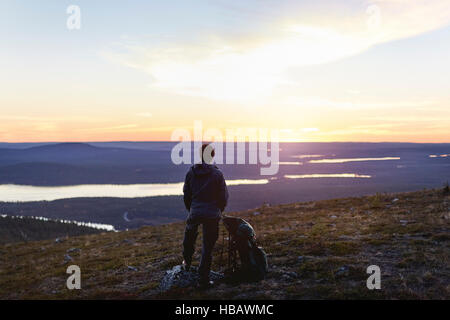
<point>81,163</point>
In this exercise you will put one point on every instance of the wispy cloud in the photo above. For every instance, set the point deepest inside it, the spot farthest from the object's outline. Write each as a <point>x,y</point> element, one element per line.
<point>112,128</point>
<point>310,129</point>
<point>144,114</point>
<point>321,102</point>
<point>251,66</point>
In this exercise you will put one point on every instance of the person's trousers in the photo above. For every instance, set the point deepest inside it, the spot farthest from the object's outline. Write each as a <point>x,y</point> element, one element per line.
<point>210,228</point>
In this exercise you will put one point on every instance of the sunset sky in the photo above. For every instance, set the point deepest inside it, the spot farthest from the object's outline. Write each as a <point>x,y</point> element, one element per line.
<point>137,70</point>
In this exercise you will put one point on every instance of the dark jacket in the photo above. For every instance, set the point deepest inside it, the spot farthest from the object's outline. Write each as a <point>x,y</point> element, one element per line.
<point>205,191</point>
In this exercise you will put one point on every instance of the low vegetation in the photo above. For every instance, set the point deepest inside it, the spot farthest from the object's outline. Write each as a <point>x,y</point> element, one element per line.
<point>317,250</point>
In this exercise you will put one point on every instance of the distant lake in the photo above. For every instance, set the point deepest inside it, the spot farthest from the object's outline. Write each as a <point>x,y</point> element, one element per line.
<point>23,193</point>
<point>116,173</point>
<point>307,171</point>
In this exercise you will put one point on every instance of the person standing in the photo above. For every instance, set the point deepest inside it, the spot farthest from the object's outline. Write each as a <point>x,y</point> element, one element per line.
<point>205,197</point>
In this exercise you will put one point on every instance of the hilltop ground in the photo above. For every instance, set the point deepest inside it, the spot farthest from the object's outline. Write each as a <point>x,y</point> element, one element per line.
<point>316,250</point>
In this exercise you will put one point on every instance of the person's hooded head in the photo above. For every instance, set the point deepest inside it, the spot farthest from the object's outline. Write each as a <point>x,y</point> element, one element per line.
<point>207,153</point>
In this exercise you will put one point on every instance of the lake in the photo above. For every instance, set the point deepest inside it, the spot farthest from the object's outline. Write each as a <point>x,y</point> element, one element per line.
<point>307,171</point>
<point>23,193</point>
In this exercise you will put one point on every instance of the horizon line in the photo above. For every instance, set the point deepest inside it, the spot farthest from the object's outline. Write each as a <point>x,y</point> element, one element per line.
<point>223,141</point>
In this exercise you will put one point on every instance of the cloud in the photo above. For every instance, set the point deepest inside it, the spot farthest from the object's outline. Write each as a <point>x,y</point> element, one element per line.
<point>125,127</point>
<point>144,114</point>
<point>310,129</point>
<point>321,102</point>
<point>252,65</point>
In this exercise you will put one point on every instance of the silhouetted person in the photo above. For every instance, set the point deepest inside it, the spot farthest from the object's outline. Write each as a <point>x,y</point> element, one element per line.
<point>205,197</point>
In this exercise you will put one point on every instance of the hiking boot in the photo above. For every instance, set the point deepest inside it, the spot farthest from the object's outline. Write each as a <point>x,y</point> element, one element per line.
<point>186,266</point>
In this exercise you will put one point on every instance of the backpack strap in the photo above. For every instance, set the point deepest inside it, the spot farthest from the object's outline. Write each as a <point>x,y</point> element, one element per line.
<point>231,254</point>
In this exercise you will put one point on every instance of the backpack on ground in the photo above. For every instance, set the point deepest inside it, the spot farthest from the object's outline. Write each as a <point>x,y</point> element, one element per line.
<point>258,260</point>
<point>242,238</point>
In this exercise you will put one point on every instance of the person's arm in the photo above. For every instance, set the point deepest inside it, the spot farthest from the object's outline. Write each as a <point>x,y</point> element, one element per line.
<point>187,192</point>
<point>223,193</point>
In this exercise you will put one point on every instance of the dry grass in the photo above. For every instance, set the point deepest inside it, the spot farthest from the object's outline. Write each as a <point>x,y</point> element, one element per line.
<point>316,250</point>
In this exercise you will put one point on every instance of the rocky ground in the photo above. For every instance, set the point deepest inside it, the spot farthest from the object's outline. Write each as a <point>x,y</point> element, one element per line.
<point>317,250</point>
